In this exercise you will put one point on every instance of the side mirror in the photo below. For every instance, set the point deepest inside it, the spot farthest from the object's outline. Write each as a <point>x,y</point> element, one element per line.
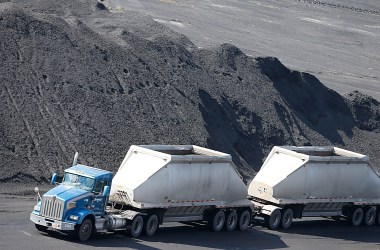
<point>106,190</point>
<point>54,178</point>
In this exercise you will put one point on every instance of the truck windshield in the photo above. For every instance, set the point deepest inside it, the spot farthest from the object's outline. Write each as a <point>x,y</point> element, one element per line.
<point>79,181</point>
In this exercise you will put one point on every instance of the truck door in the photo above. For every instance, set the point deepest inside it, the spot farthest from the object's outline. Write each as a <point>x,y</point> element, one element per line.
<point>99,199</point>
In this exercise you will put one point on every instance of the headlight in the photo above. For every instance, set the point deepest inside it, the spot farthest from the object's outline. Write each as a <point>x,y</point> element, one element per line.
<point>37,207</point>
<point>71,205</point>
<point>74,217</point>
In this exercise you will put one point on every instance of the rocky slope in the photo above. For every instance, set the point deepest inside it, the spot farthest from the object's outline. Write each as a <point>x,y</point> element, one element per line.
<point>75,77</point>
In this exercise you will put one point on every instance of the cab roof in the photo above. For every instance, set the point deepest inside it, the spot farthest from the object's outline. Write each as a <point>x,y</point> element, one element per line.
<point>88,171</point>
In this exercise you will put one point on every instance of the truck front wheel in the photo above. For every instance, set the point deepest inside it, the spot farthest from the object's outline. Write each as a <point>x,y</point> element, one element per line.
<point>217,221</point>
<point>356,216</point>
<point>273,221</point>
<point>244,220</point>
<point>151,225</point>
<point>41,228</point>
<point>136,226</point>
<point>84,231</point>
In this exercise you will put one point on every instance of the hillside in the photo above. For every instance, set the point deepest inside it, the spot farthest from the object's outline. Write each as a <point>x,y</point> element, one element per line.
<point>75,77</point>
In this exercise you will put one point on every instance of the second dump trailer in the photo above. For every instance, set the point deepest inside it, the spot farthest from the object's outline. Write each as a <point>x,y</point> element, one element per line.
<point>296,182</point>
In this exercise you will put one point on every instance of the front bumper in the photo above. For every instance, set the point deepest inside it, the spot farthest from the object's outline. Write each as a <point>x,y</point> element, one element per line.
<point>55,224</point>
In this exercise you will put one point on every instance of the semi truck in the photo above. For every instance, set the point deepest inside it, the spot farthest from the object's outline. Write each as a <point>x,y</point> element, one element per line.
<point>153,185</point>
<point>296,182</point>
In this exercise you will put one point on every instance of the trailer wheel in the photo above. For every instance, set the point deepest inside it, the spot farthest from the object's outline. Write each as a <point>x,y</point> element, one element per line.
<point>41,228</point>
<point>136,226</point>
<point>151,225</point>
<point>356,216</point>
<point>244,220</point>
<point>273,221</point>
<point>287,218</point>
<point>217,221</point>
<point>231,221</point>
<point>369,216</point>
<point>84,231</point>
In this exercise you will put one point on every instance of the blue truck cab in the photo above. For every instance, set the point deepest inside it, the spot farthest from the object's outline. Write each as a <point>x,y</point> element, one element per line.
<point>76,203</point>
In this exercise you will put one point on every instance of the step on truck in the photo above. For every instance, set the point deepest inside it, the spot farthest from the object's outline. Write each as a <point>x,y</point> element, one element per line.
<point>296,182</point>
<point>154,184</point>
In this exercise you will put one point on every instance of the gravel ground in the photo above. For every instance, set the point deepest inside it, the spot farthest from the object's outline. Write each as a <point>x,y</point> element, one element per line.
<point>335,40</point>
<point>77,77</point>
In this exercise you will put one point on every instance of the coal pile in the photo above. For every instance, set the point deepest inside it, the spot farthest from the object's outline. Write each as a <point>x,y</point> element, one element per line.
<point>77,77</point>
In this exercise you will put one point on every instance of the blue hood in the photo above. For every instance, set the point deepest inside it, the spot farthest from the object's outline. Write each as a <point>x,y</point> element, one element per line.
<point>66,192</point>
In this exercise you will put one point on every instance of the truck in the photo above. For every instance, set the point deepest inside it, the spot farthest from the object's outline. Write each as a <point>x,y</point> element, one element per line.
<point>296,182</point>
<point>154,184</point>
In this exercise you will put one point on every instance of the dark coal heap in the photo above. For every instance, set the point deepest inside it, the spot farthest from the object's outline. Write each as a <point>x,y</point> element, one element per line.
<point>75,77</point>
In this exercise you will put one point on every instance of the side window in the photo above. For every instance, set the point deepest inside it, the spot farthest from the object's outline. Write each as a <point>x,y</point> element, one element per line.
<point>99,185</point>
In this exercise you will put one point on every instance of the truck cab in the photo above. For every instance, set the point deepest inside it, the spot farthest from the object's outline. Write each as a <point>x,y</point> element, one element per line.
<point>74,204</point>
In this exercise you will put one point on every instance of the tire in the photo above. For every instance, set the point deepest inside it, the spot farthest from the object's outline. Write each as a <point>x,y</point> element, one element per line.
<point>378,216</point>
<point>217,221</point>
<point>369,216</point>
<point>136,227</point>
<point>84,231</point>
<point>356,216</point>
<point>287,218</point>
<point>231,221</point>
<point>41,228</point>
<point>151,225</point>
<point>273,221</point>
<point>244,220</point>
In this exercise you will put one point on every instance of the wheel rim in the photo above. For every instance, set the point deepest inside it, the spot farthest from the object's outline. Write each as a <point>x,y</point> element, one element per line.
<point>357,217</point>
<point>231,221</point>
<point>85,230</point>
<point>137,226</point>
<point>275,219</point>
<point>287,218</point>
<point>370,217</point>
<point>244,220</point>
<point>219,221</point>
<point>152,225</point>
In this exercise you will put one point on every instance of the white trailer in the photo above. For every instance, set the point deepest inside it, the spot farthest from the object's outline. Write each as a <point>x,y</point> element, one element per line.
<point>296,182</point>
<point>165,183</point>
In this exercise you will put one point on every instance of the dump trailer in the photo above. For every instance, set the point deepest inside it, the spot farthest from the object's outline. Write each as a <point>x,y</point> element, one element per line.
<point>154,184</point>
<point>296,182</point>
<point>160,184</point>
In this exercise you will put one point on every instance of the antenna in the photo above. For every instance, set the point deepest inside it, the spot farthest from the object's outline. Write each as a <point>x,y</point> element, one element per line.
<point>75,158</point>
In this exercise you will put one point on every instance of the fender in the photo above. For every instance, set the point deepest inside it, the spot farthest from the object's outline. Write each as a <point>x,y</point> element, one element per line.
<point>268,209</point>
<point>130,214</point>
<point>82,213</point>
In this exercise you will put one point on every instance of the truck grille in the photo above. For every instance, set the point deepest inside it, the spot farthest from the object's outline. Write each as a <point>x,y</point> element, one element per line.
<point>52,208</point>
